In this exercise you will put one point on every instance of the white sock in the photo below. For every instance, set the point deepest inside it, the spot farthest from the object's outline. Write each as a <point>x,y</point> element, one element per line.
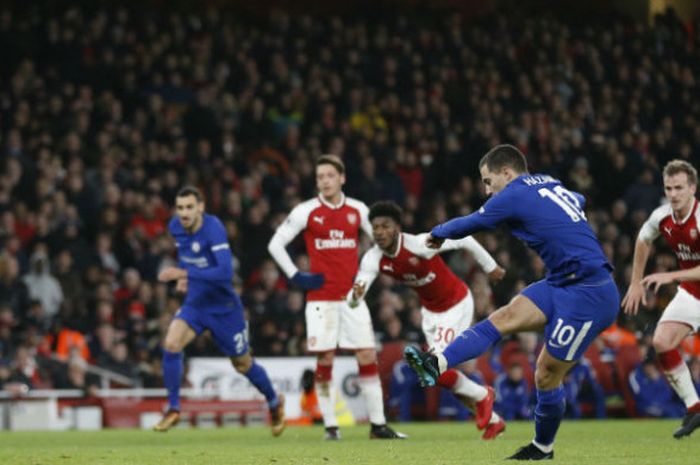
<point>545,449</point>
<point>442,363</point>
<point>326,403</point>
<point>371,389</point>
<point>681,382</point>
<point>468,388</point>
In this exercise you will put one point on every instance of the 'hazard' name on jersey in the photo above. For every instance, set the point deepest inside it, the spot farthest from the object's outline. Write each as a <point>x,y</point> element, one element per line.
<point>331,234</point>
<point>421,268</point>
<point>682,236</point>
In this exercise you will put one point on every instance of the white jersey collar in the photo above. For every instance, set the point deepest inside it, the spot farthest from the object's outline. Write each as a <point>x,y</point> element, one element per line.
<point>330,205</point>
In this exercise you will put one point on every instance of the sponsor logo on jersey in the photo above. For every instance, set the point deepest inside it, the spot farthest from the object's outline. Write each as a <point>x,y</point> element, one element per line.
<point>199,262</point>
<point>412,281</point>
<point>352,218</point>
<point>337,240</point>
<point>318,219</point>
<point>196,247</point>
<point>388,267</point>
<point>668,230</point>
<point>686,253</point>
<point>482,210</point>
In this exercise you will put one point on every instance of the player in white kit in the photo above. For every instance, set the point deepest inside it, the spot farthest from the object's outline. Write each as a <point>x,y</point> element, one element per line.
<point>447,304</point>
<point>678,222</point>
<point>331,224</point>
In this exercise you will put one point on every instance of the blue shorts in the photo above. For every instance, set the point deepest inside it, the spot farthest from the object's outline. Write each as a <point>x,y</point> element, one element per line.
<point>575,313</point>
<point>229,329</point>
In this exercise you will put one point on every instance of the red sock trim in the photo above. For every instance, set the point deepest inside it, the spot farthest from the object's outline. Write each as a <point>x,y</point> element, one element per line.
<point>695,408</point>
<point>323,373</point>
<point>371,369</point>
<point>670,360</point>
<point>448,379</point>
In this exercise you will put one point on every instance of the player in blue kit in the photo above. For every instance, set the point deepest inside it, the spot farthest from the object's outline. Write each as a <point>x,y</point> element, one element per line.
<point>205,273</point>
<point>575,302</point>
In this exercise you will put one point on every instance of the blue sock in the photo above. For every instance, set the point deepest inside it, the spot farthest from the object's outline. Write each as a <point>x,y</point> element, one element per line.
<point>172,374</point>
<point>258,376</point>
<point>471,343</point>
<point>548,414</point>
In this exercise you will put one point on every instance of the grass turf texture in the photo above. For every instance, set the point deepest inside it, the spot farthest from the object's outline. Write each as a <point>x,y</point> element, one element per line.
<point>596,442</point>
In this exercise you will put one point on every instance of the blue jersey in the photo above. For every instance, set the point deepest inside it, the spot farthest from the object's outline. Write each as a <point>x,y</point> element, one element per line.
<point>206,256</point>
<point>548,217</point>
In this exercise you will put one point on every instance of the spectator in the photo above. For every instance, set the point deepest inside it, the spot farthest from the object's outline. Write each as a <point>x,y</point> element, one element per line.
<point>42,286</point>
<point>513,394</point>
<point>652,394</point>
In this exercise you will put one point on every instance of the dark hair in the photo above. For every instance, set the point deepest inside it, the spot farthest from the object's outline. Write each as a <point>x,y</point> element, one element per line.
<point>386,208</point>
<point>330,159</point>
<point>190,190</point>
<point>504,155</point>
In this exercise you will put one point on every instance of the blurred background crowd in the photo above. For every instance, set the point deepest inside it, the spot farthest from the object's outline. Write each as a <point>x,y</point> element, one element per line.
<point>105,113</point>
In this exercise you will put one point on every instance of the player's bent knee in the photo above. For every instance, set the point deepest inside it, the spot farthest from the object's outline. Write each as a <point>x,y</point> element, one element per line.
<point>662,342</point>
<point>172,345</point>
<point>366,356</point>
<point>548,376</point>
<point>326,358</point>
<point>242,364</point>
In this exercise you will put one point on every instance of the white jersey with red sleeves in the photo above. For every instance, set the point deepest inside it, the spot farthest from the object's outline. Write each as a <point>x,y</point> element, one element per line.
<point>332,234</point>
<point>682,235</point>
<point>420,267</point>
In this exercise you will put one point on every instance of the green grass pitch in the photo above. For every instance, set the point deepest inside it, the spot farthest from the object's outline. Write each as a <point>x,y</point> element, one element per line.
<point>580,442</point>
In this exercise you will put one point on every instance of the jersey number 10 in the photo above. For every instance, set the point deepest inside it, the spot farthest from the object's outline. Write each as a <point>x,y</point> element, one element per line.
<point>566,200</point>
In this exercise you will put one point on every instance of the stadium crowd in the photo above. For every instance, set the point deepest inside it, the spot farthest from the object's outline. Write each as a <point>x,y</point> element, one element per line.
<point>104,114</point>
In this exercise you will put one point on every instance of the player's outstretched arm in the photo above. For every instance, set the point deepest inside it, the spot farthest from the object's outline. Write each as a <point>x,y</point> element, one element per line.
<point>498,209</point>
<point>656,280</point>
<point>481,255</point>
<point>636,293</point>
<point>369,269</point>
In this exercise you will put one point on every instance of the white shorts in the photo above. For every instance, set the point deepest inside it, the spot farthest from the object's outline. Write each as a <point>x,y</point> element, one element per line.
<point>441,328</point>
<point>331,324</point>
<point>684,308</point>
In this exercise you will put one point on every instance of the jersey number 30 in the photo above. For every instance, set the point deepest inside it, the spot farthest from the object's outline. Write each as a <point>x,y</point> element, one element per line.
<point>566,200</point>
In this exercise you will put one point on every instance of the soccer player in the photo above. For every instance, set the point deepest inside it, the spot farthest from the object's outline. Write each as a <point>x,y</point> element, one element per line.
<point>331,223</point>
<point>577,300</point>
<point>205,273</point>
<point>448,306</point>
<point>678,222</point>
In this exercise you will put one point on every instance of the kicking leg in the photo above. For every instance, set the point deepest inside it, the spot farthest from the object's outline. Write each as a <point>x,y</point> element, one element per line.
<point>521,314</point>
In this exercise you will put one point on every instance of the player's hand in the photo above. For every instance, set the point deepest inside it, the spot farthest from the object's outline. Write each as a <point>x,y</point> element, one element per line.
<point>308,281</point>
<point>171,273</point>
<point>358,290</point>
<point>181,285</point>
<point>635,294</point>
<point>497,274</point>
<point>656,280</point>
<point>434,242</point>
